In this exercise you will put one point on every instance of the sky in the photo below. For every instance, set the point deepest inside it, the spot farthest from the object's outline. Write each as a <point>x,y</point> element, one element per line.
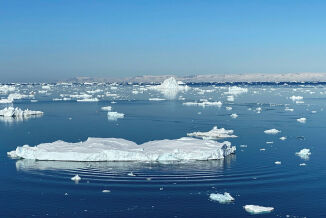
<point>48,40</point>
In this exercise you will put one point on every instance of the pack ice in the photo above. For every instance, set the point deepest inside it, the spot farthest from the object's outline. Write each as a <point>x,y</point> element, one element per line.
<point>117,149</point>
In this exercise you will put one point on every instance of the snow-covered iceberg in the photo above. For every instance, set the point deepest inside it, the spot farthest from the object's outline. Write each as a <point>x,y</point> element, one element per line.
<point>170,88</point>
<point>116,149</point>
<point>215,133</point>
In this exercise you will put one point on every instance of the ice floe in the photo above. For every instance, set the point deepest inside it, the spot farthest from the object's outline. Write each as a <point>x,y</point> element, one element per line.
<point>215,133</point>
<point>272,131</point>
<point>235,90</point>
<point>295,98</point>
<point>203,103</point>
<point>117,149</point>
<point>222,198</point>
<point>115,115</point>
<point>234,116</point>
<point>302,120</point>
<point>255,209</point>
<point>304,153</point>
<point>106,108</point>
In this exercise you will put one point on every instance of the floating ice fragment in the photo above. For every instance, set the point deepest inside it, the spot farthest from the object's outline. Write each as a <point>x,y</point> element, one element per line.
<point>302,164</point>
<point>278,162</point>
<point>131,174</point>
<point>88,100</point>
<point>115,115</point>
<point>234,116</point>
<point>255,209</point>
<point>283,138</point>
<point>17,112</point>
<point>272,131</point>
<point>228,108</point>
<point>106,191</point>
<point>235,90</point>
<point>302,120</point>
<point>106,108</point>
<point>295,98</point>
<point>215,133</point>
<point>203,104</point>
<point>76,178</point>
<point>222,198</point>
<point>304,153</point>
<point>230,98</point>
<point>156,99</point>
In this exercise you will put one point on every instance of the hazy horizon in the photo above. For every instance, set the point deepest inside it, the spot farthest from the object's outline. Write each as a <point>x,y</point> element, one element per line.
<point>54,40</point>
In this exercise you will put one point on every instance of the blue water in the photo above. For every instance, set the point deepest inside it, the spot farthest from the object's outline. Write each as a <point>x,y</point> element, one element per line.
<point>43,188</point>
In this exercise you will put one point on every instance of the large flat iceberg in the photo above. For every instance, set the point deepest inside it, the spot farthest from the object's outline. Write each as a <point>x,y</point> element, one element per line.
<point>17,112</point>
<point>116,149</point>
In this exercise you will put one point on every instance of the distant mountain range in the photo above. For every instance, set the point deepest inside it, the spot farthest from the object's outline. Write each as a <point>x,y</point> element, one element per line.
<point>212,78</point>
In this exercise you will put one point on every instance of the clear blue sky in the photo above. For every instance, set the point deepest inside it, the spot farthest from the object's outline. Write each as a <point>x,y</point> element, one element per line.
<point>54,39</point>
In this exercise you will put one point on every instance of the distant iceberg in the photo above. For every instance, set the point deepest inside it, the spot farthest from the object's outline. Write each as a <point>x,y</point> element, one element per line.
<point>204,103</point>
<point>17,112</point>
<point>170,88</point>
<point>235,90</point>
<point>115,149</point>
<point>272,131</point>
<point>215,133</point>
<point>115,115</point>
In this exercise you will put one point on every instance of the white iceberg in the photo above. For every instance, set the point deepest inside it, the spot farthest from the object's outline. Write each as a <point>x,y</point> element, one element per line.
<point>222,198</point>
<point>115,115</point>
<point>255,209</point>
<point>272,131</point>
<point>302,120</point>
<point>235,90</point>
<point>230,98</point>
<point>234,116</point>
<point>156,99</point>
<point>88,100</point>
<point>116,149</point>
<point>76,178</point>
<point>295,98</point>
<point>170,88</point>
<point>106,108</point>
<point>304,153</point>
<point>17,112</point>
<point>215,133</point>
<point>203,103</point>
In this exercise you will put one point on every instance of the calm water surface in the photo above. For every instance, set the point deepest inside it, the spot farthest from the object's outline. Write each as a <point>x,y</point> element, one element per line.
<point>43,188</point>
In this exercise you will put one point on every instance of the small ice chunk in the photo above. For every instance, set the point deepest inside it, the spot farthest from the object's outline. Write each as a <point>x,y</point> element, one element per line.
<point>115,115</point>
<point>88,100</point>
<point>278,162</point>
<point>222,198</point>
<point>255,209</point>
<point>295,98</point>
<point>230,98</point>
<point>235,90</point>
<point>283,138</point>
<point>228,108</point>
<point>302,164</point>
<point>156,99</point>
<point>203,103</point>
<point>106,108</point>
<point>76,178</point>
<point>234,116</point>
<point>243,146</point>
<point>272,131</point>
<point>304,153</point>
<point>302,120</point>
<point>131,174</point>
<point>289,109</point>
<point>106,191</point>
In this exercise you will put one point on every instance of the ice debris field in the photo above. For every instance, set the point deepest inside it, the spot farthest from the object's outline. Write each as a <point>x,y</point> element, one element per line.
<point>265,126</point>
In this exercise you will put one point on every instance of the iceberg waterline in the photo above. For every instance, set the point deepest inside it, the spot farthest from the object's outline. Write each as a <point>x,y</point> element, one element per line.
<point>117,149</point>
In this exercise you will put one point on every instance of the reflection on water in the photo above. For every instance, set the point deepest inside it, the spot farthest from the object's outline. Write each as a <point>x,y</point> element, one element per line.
<point>11,120</point>
<point>216,165</point>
